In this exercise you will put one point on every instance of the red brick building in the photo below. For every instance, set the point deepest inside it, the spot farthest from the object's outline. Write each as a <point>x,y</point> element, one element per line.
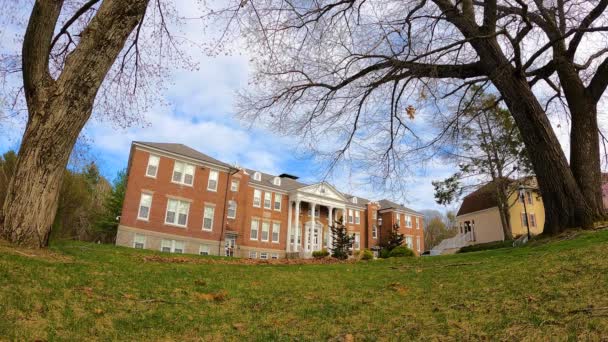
<point>182,201</point>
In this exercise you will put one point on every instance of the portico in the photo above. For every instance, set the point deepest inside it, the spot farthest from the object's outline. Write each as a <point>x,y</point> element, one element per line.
<point>308,233</point>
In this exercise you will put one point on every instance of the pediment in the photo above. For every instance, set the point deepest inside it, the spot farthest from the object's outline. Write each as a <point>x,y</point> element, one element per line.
<point>323,189</point>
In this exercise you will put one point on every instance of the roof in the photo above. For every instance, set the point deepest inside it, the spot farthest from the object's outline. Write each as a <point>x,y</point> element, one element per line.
<point>288,182</point>
<point>184,151</point>
<point>386,204</point>
<point>485,196</point>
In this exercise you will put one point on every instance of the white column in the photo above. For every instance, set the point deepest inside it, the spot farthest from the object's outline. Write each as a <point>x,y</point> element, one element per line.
<point>330,219</point>
<point>290,230</point>
<point>296,228</point>
<point>310,231</point>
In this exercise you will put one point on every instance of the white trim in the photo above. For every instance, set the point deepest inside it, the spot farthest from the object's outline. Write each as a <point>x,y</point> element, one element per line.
<point>217,180</point>
<point>259,197</point>
<point>210,229</point>
<point>274,207</point>
<point>182,180</point>
<point>267,232</point>
<point>269,200</point>
<point>257,229</point>
<point>135,235</point>
<point>228,209</point>
<point>177,214</point>
<point>148,165</point>
<point>141,198</point>
<point>278,232</point>
<point>232,182</point>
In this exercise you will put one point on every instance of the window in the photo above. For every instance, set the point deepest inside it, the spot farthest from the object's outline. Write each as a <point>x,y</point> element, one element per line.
<point>374,232</point>
<point>277,201</point>
<point>234,186</point>
<point>276,181</point>
<point>267,200</point>
<point>183,173</point>
<point>152,168</point>
<point>274,256</point>
<point>231,209</point>
<point>409,242</point>
<point>212,182</point>
<point>139,241</point>
<point>177,212</point>
<point>203,250</point>
<point>208,217</point>
<point>524,220</point>
<point>418,243</point>
<point>257,198</point>
<point>264,255</point>
<point>144,206</point>
<point>408,221</point>
<point>354,200</point>
<point>357,242</point>
<point>357,217</point>
<point>533,220</point>
<point>398,220</point>
<point>418,222</point>
<point>253,255</point>
<point>265,229</point>
<point>529,197</point>
<point>172,246</point>
<point>374,215</point>
<point>350,216</point>
<point>276,228</point>
<point>257,176</point>
<point>521,197</point>
<point>255,226</point>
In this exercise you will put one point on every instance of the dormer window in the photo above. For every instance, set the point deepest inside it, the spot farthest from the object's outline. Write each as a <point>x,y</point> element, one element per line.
<point>354,200</point>
<point>276,181</point>
<point>257,176</point>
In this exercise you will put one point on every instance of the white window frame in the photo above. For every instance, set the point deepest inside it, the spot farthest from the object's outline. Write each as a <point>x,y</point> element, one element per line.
<point>357,241</point>
<point>142,241</point>
<point>257,198</point>
<point>141,200</point>
<point>276,181</point>
<point>375,214</point>
<point>263,255</point>
<point>256,230</point>
<point>214,175</point>
<point>409,242</point>
<point>398,220</point>
<point>203,250</point>
<point>172,246</point>
<point>350,216</point>
<point>257,176</point>
<point>277,200</point>
<point>234,185</point>
<point>212,207</point>
<point>408,221</point>
<point>354,200</point>
<point>274,256</point>
<point>268,197</point>
<point>276,226</point>
<point>177,213</point>
<point>374,231</point>
<point>418,223</point>
<point>524,220</point>
<point>267,225</point>
<point>184,167</point>
<point>230,203</point>
<point>357,217</point>
<point>150,158</point>
<point>253,255</point>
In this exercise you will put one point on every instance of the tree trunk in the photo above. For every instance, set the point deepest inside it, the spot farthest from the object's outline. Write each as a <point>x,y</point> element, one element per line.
<point>58,109</point>
<point>32,197</point>
<point>565,205</point>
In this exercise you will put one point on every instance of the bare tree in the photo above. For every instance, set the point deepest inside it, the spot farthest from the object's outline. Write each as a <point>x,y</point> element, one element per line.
<point>350,68</point>
<point>75,54</point>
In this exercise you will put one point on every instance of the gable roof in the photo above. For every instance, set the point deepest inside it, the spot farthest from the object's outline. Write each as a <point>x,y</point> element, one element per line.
<point>485,197</point>
<point>287,184</point>
<point>183,150</point>
<point>386,204</point>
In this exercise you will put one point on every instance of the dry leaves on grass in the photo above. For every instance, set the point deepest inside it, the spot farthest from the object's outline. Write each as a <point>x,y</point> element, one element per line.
<point>241,261</point>
<point>219,296</point>
<point>398,287</point>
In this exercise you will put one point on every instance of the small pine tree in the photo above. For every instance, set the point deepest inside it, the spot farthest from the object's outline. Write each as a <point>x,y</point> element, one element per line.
<point>341,241</point>
<point>106,223</point>
<point>395,239</point>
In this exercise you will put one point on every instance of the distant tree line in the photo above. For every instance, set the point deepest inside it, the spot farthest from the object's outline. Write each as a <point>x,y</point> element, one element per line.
<point>89,205</point>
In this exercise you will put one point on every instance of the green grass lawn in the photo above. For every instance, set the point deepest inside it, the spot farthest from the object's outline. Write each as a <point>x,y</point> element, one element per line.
<point>78,291</point>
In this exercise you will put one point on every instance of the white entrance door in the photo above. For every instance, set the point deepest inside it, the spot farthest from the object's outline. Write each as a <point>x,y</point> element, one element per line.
<point>313,237</point>
<point>230,246</point>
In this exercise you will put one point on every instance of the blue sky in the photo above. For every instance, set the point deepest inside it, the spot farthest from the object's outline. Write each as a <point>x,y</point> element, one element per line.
<point>199,111</point>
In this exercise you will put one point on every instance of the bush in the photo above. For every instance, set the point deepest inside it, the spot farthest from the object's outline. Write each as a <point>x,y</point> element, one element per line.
<point>367,255</point>
<point>384,253</point>
<point>320,254</point>
<point>401,251</point>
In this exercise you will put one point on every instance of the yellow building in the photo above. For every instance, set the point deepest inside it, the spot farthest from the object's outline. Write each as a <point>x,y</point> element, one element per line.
<point>479,219</point>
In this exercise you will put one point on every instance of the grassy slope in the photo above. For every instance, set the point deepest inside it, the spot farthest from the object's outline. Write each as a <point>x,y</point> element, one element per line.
<point>103,292</point>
